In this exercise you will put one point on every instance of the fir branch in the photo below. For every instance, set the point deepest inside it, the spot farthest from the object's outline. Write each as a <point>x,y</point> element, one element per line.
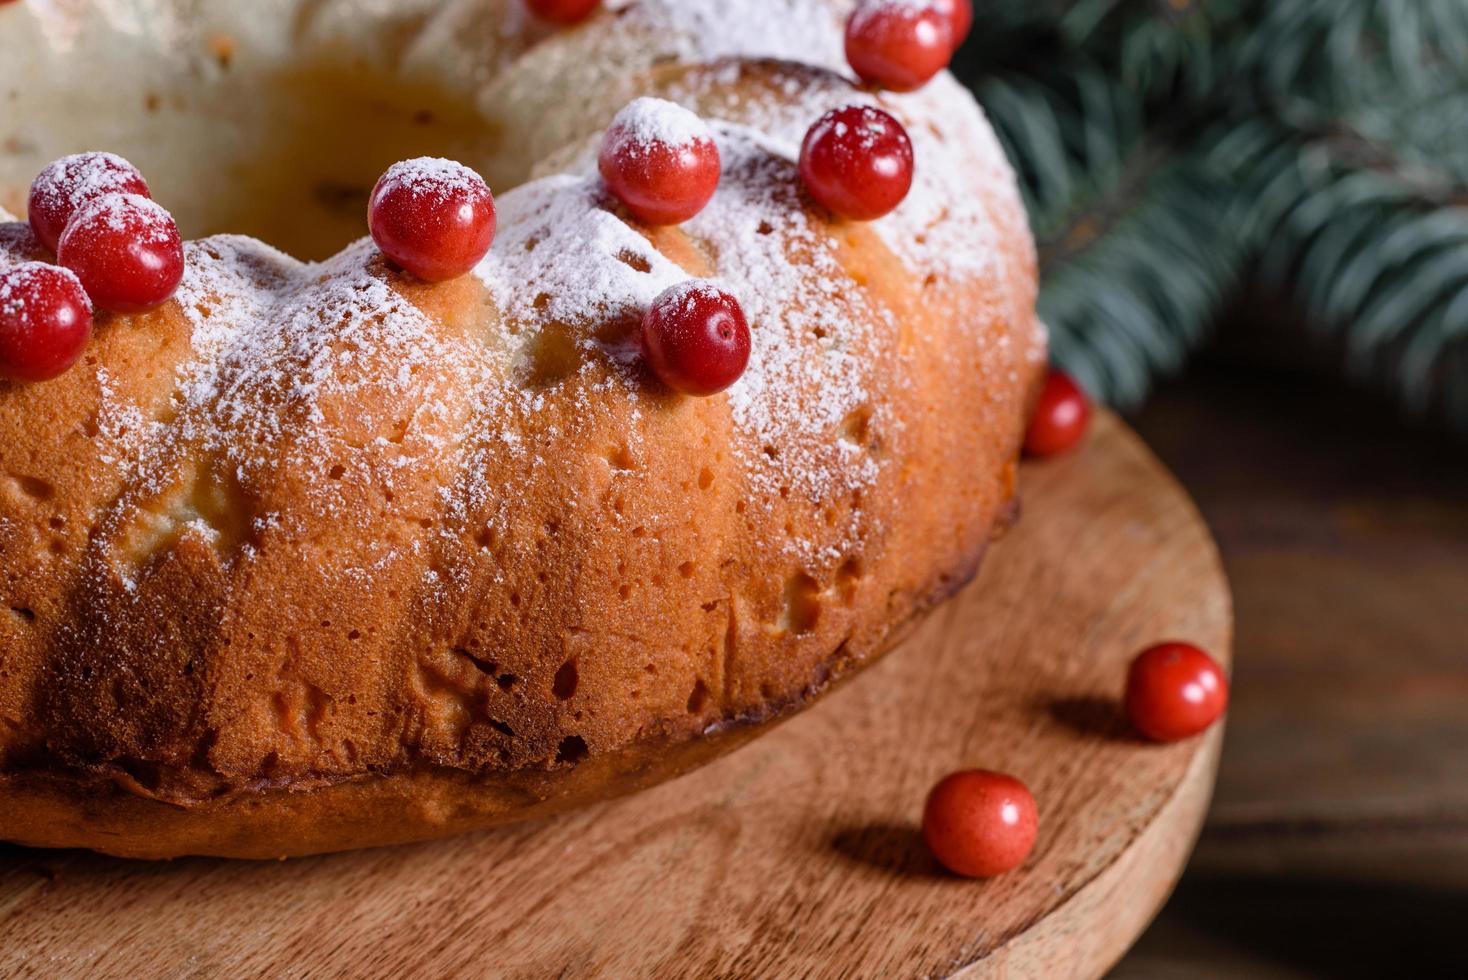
<point>1133,254</point>
<point>1139,298</point>
<point>1378,264</point>
<point>1334,164</point>
<point>1070,137</point>
<point>1389,72</point>
<point>1157,48</point>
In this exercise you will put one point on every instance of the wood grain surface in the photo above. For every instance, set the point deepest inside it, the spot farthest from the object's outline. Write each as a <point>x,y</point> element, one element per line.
<point>797,856</point>
<point>1337,843</point>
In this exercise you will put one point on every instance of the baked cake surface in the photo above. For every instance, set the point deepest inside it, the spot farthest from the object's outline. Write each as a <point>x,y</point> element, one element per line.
<point>318,556</point>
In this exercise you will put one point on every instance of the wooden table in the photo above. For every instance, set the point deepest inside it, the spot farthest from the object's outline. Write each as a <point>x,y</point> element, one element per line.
<point>798,856</point>
<point>1337,845</point>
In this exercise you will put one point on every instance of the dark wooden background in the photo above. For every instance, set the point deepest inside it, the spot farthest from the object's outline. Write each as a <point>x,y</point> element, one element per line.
<point>1337,844</point>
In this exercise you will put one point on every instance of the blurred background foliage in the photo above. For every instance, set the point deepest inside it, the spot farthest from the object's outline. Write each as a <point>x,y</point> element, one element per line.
<point>1172,150</point>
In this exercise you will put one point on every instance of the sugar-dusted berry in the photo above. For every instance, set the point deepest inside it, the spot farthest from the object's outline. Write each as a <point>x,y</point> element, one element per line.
<point>899,44</point>
<point>857,161</point>
<point>695,338</point>
<point>435,218</point>
<point>660,160</point>
<point>45,321</point>
<point>73,181</point>
<point>126,251</point>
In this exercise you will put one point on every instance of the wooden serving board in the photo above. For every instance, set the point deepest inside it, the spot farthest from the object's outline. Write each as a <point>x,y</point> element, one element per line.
<point>796,856</point>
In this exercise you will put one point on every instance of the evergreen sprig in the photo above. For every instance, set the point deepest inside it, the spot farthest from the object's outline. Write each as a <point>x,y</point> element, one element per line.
<point>1166,147</point>
<point>1374,251</point>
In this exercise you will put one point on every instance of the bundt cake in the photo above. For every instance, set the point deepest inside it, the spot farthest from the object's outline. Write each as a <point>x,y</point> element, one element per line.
<point>319,555</point>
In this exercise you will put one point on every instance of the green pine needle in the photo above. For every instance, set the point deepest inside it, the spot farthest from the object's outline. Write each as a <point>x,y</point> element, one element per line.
<point>1165,147</point>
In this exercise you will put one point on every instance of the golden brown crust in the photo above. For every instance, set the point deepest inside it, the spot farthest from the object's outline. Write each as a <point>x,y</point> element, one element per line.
<point>484,569</point>
<point>269,822</point>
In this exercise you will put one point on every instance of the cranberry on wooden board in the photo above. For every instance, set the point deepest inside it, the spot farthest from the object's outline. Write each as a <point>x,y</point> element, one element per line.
<point>857,162</point>
<point>45,321</point>
<point>126,251</point>
<point>899,44</point>
<point>660,160</point>
<point>563,11</point>
<point>67,184</point>
<point>1175,691</point>
<point>695,338</point>
<point>434,218</point>
<point>1061,417</point>
<point>979,823</point>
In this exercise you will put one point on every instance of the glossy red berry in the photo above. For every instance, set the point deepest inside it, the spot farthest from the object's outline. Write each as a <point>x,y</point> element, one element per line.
<point>45,321</point>
<point>695,338</point>
<point>434,218</point>
<point>1175,691</point>
<point>563,11</point>
<point>979,823</point>
<point>857,161</point>
<point>660,160</point>
<point>898,44</point>
<point>71,182</point>
<point>126,251</point>
<point>960,15</point>
<point>1061,417</point>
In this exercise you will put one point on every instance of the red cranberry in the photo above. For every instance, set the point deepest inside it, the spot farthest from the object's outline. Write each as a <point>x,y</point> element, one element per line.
<point>660,160</point>
<point>67,184</point>
<point>434,218</point>
<point>563,11</point>
<point>45,321</point>
<point>126,251</point>
<point>1175,691</point>
<point>979,824</point>
<point>898,44</point>
<point>960,14</point>
<point>857,161</point>
<point>695,338</point>
<point>1061,417</point>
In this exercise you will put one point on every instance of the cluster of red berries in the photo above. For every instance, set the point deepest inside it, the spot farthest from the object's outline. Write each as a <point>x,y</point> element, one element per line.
<point>979,823</point>
<point>896,44</point>
<point>662,163</point>
<point>856,161</point>
<point>115,249</point>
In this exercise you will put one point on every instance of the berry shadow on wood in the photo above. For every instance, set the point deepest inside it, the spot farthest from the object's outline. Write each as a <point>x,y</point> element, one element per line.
<point>1093,716</point>
<point>893,848</point>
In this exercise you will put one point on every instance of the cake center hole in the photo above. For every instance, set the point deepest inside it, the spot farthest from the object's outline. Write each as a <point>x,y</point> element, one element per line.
<point>288,156</point>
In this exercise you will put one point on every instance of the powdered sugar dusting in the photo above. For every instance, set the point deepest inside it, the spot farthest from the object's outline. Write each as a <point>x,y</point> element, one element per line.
<point>805,372</point>
<point>807,31</point>
<point>868,10</point>
<point>564,256</point>
<point>434,176</point>
<point>647,121</point>
<point>271,332</point>
<point>143,219</point>
<point>81,177</point>
<point>278,345</point>
<point>684,298</point>
<point>20,283</point>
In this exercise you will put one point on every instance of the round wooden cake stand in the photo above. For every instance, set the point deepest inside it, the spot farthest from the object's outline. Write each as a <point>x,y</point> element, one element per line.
<point>796,856</point>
